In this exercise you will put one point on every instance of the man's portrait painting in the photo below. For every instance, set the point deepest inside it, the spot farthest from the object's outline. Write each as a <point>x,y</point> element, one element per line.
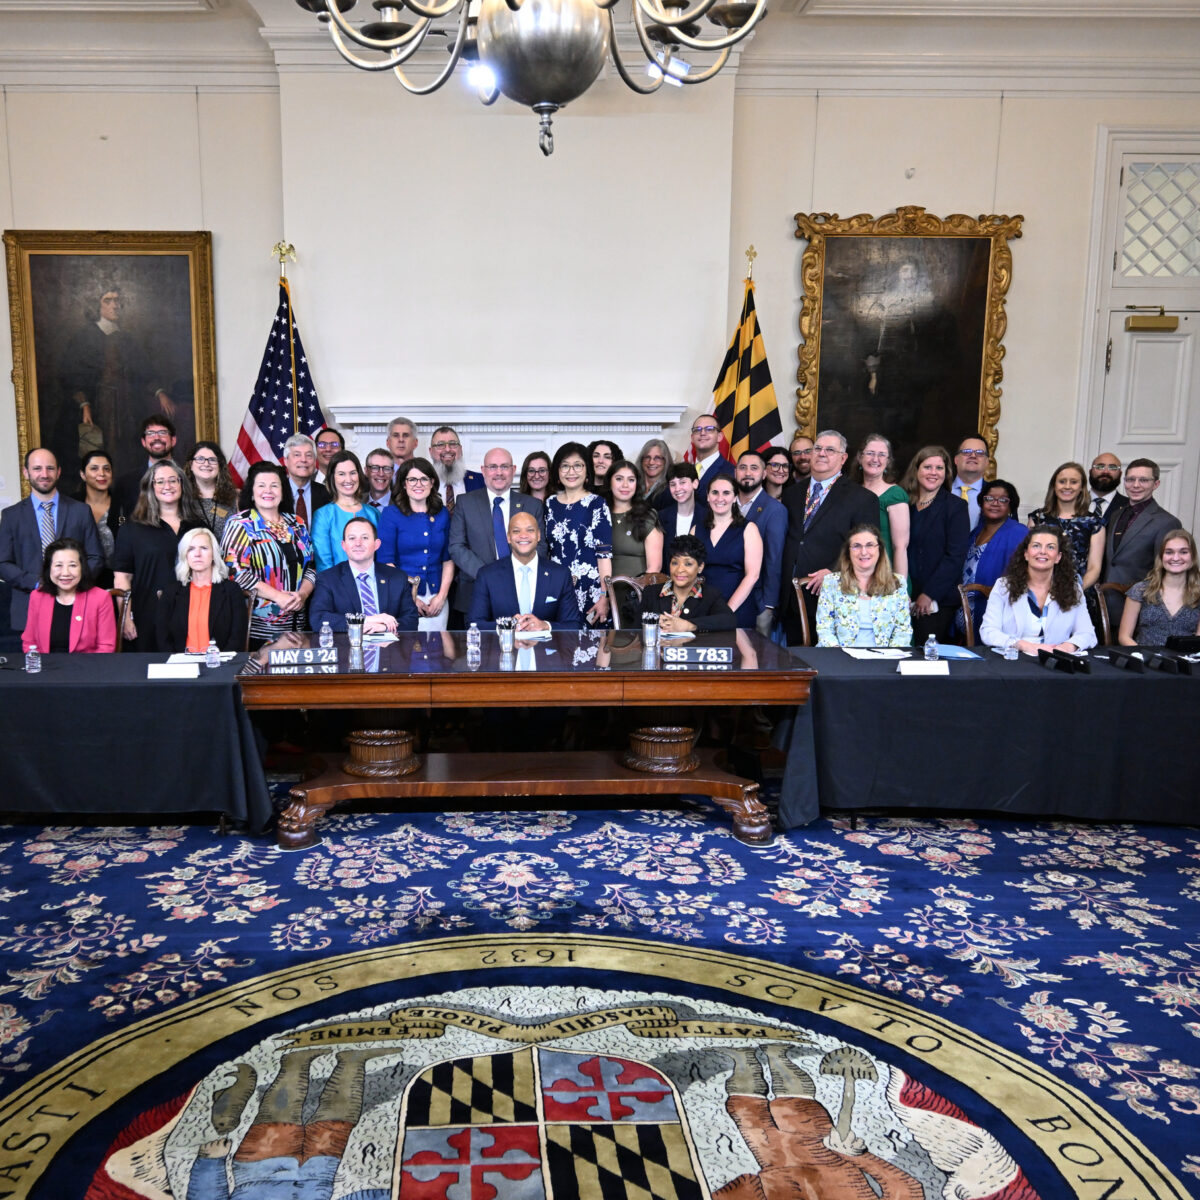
<point>108,329</point>
<point>903,321</point>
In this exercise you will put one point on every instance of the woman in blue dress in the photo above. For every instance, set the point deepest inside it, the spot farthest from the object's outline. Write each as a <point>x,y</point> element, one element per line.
<point>995,537</point>
<point>414,535</point>
<point>348,486</point>
<point>734,549</point>
<point>1067,508</point>
<point>579,531</point>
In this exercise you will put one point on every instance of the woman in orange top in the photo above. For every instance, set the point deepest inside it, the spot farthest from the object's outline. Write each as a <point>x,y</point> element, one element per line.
<point>205,604</point>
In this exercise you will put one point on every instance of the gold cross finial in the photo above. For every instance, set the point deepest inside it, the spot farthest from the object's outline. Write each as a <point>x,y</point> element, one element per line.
<point>751,255</point>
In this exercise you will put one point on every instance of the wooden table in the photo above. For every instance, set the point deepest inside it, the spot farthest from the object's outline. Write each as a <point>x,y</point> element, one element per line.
<point>597,670</point>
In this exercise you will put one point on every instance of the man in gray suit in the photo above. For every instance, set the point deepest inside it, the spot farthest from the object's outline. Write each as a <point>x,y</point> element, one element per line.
<point>1135,532</point>
<point>28,527</point>
<point>479,526</point>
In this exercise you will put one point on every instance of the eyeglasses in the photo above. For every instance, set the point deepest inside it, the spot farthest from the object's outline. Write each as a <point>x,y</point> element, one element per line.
<point>995,500</point>
<point>379,468</point>
<point>571,468</point>
<point>873,454</point>
<point>1107,468</point>
<point>973,453</point>
<point>205,460</point>
<point>537,471</point>
<point>825,451</point>
<point>501,467</point>
<point>705,428</point>
<point>1143,479</point>
<point>443,445</point>
<point>779,466</point>
<point>418,481</point>
<point>329,445</point>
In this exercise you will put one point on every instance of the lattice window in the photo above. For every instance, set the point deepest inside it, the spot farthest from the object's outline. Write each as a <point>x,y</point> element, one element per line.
<point>1162,219</point>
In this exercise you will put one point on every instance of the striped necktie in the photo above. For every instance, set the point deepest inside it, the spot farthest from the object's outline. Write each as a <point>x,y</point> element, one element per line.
<point>450,498</point>
<point>366,593</point>
<point>46,523</point>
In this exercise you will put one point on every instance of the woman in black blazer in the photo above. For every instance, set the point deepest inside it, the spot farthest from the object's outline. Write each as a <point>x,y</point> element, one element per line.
<point>939,536</point>
<point>687,603</point>
<point>205,604</point>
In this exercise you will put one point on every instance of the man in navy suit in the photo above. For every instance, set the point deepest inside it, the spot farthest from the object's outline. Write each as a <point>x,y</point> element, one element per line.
<point>771,519</point>
<point>479,526</point>
<point>453,479</point>
<point>710,462</point>
<point>28,527</point>
<point>539,593</point>
<point>360,583</point>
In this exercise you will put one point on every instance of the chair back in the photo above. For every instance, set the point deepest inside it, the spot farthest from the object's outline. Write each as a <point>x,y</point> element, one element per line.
<point>120,599</point>
<point>1099,613</point>
<point>806,636</point>
<point>964,591</point>
<point>250,598</point>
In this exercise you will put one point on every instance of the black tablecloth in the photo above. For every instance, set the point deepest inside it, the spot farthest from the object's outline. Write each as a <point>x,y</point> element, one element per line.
<point>1006,736</point>
<point>91,734</point>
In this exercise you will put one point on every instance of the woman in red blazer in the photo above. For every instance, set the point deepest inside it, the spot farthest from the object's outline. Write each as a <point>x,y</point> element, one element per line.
<point>66,613</point>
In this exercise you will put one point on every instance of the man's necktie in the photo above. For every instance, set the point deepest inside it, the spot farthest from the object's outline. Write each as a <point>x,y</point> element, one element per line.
<point>525,599</point>
<point>498,531</point>
<point>964,491</point>
<point>364,592</point>
<point>1098,507</point>
<point>816,492</point>
<point>450,498</point>
<point>301,507</point>
<point>47,522</point>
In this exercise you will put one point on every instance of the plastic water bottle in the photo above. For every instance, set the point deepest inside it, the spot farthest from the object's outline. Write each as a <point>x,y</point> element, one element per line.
<point>33,661</point>
<point>212,656</point>
<point>474,644</point>
<point>326,635</point>
<point>931,649</point>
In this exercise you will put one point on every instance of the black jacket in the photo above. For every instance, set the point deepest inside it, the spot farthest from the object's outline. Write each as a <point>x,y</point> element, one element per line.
<point>227,616</point>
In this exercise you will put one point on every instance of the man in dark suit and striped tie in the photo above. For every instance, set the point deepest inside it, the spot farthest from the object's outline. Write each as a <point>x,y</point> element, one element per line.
<point>361,585</point>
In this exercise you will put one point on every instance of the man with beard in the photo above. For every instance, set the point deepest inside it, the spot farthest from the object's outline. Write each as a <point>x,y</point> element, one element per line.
<point>771,518</point>
<point>454,479</point>
<point>27,528</point>
<point>801,451</point>
<point>158,441</point>
<point>1103,479</point>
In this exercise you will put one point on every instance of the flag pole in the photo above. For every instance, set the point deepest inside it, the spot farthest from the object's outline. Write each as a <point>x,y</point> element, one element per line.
<point>283,251</point>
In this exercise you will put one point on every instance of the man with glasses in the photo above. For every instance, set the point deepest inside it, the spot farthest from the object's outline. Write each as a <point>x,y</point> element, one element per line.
<point>1103,480</point>
<point>379,479</point>
<point>300,463</point>
<point>1135,532</point>
<point>329,442</point>
<point>970,461</point>
<point>821,512</point>
<point>801,451</point>
<point>453,478</point>
<point>710,462</point>
<point>158,440</point>
<point>479,527</point>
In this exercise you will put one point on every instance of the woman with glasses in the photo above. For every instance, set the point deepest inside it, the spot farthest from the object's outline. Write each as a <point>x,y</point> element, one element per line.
<point>862,601</point>
<point>144,558</point>
<point>414,535</point>
<point>779,472</point>
<point>654,460</point>
<point>348,486</point>
<point>993,542</point>
<point>1068,507</point>
<point>579,531</point>
<point>939,530</point>
<point>733,549</point>
<point>208,472</point>
<point>535,475</point>
<point>873,467</point>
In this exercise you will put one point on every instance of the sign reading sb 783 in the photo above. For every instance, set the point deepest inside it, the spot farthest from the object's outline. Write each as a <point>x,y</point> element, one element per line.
<point>697,656</point>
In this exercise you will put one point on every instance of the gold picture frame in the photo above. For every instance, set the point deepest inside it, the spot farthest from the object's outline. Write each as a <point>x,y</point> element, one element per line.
<point>64,357</point>
<point>902,325</point>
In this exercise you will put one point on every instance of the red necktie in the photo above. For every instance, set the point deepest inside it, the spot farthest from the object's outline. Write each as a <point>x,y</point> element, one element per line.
<point>301,507</point>
<point>450,498</point>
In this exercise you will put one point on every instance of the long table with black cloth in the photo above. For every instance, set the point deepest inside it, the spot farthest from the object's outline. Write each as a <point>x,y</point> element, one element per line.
<point>995,735</point>
<point>90,734</point>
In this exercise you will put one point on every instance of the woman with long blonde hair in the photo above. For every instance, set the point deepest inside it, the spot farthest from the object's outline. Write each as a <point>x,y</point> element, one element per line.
<point>1167,602</point>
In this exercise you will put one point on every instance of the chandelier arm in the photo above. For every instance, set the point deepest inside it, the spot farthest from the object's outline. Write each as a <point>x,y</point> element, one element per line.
<point>673,18</point>
<point>707,73</point>
<point>643,89</point>
<point>387,64</point>
<point>387,45</point>
<point>730,39</point>
<point>448,70</point>
<point>433,11</point>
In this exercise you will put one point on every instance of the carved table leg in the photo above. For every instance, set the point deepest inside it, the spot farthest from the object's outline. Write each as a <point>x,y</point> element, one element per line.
<point>295,828</point>
<point>751,821</point>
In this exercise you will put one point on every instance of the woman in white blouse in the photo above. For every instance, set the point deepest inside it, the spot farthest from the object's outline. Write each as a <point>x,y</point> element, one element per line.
<point>1037,603</point>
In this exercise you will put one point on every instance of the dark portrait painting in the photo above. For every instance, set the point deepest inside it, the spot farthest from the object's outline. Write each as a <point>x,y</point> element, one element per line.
<point>109,336</point>
<point>903,318</point>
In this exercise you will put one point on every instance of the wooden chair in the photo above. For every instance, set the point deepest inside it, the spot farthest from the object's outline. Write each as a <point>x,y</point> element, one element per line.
<point>806,633</point>
<point>964,590</point>
<point>120,599</point>
<point>1104,630</point>
<point>636,583</point>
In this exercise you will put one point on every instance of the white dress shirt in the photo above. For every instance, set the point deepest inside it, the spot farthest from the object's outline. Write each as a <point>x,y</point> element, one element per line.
<point>525,581</point>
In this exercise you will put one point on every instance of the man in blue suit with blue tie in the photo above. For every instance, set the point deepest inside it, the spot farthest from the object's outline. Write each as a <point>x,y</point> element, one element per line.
<point>360,584</point>
<point>539,593</point>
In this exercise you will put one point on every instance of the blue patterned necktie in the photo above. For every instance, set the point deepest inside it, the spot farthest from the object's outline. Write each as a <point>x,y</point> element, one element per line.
<point>47,522</point>
<point>816,493</point>
<point>366,595</point>
<point>498,531</point>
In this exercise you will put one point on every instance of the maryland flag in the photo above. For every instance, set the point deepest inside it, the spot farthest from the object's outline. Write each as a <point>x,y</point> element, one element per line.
<point>743,397</point>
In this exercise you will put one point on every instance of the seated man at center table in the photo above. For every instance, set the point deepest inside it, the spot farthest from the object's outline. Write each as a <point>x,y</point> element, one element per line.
<point>360,584</point>
<point>539,593</point>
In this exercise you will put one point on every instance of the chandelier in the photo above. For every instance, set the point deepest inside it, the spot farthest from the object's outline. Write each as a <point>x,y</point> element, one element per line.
<point>540,53</point>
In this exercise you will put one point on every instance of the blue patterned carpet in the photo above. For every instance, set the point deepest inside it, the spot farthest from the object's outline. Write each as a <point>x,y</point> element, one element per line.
<point>1075,946</point>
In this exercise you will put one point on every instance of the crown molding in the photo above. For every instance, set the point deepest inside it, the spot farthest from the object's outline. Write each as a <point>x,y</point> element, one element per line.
<point>49,69</point>
<point>86,7</point>
<point>490,416</point>
<point>1059,9</point>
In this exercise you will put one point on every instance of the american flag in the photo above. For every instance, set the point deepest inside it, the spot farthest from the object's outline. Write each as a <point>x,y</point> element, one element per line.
<point>272,417</point>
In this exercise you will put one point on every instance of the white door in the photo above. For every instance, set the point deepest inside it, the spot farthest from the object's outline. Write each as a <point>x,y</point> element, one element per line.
<point>1149,401</point>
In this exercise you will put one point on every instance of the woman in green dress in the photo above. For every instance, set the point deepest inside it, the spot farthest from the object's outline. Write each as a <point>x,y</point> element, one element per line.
<point>637,538</point>
<point>874,468</point>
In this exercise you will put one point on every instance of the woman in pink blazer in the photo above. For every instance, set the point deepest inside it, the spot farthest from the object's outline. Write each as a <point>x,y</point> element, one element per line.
<point>66,613</point>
